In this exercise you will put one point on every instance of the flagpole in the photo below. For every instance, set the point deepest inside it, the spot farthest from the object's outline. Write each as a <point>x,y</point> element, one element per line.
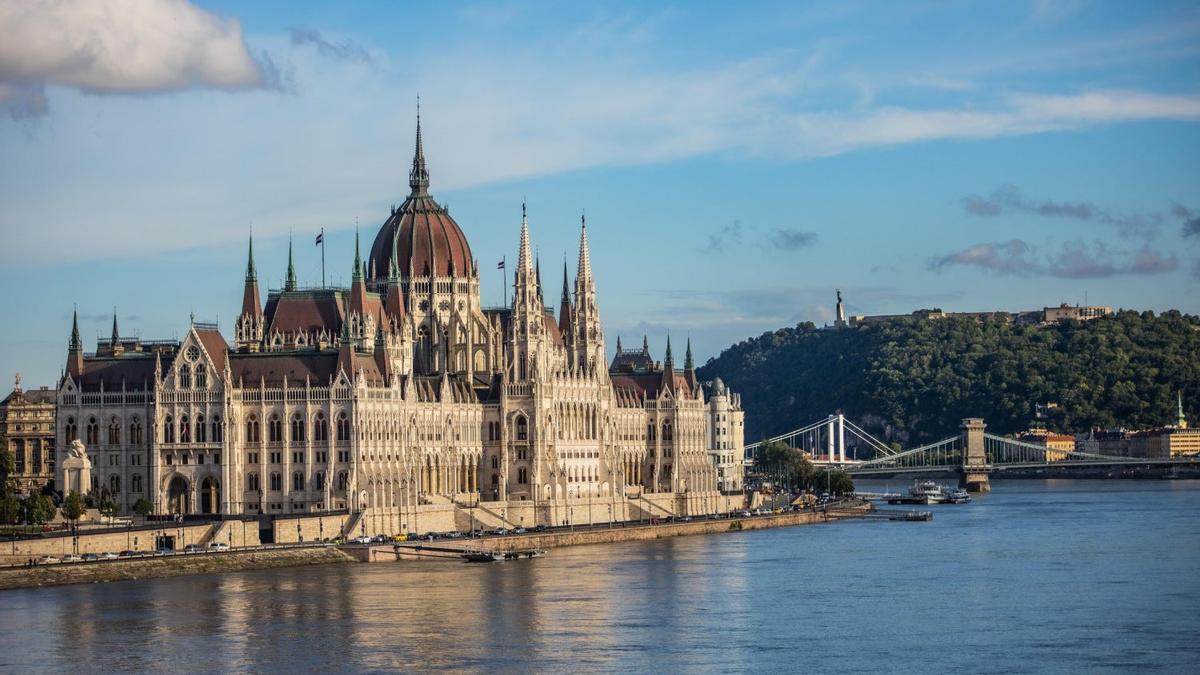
<point>322,257</point>
<point>504,273</point>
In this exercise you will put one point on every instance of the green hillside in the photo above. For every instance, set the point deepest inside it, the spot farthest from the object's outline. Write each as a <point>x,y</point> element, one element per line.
<point>912,380</point>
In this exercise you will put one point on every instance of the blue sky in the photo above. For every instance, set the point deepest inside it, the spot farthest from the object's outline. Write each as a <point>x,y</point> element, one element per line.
<point>737,161</point>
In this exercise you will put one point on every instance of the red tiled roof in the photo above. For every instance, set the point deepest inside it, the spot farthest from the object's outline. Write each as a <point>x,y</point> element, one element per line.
<point>428,241</point>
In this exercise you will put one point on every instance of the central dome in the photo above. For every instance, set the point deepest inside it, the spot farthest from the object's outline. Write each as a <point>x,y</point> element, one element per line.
<point>425,239</point>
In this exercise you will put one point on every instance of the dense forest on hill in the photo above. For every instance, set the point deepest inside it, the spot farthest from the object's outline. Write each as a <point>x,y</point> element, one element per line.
<point>912,380</point>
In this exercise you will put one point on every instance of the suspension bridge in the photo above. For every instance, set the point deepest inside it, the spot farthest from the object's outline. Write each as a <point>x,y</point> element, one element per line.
<point>973,454</point>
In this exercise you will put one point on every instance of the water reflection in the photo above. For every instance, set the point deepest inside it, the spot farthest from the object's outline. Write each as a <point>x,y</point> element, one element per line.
<point>1082,575</point>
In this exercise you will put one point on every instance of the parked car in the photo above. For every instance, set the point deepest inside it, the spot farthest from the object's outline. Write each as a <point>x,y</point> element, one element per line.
<point>400,537</point>
<point>163,551</point>
<point>48,560</point>
<point>379,539</point>
<point>745,514</point>
<point>363,539</point>
<point>109,555</point>
<point>519,530</point>
<point>90,557</point>
<point>501,531</point>
<point>192,548</point>
<point>540,528</point>
<point>129,554</point>
<point>218,546</point>
<point>412,536</point>
<point>71,558</point>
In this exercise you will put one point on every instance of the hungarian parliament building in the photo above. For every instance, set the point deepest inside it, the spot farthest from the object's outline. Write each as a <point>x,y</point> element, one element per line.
<point>401,393</point>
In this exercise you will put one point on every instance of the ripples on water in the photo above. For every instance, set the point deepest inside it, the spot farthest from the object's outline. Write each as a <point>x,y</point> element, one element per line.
<point>1061,576</point>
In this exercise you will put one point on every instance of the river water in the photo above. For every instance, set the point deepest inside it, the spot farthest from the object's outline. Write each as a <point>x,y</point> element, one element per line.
<point>1059,576</point>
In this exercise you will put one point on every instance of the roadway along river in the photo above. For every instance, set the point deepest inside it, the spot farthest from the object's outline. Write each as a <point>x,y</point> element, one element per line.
<point>1068,576</point>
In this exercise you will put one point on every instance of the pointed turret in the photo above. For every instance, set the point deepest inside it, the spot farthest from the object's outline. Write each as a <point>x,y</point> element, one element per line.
<point>290,283</point>
<point>564,306</point>
<point>418,177</point>
<point>668,371</point>
<point>587,334</point>
<point>248,331</point>
<point>394,302</point>
<point>618,344</point>
<point>114,342</point>
<point>689,368</point>
<point>645,345</point>
<point>358,297</point>
<point>75,348</point>
<point>537,275</point>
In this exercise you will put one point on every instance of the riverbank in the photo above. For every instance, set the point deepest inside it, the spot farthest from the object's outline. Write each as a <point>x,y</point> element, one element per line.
<point>168,566</point>
<point>600,534</point>
<point>293,556</point>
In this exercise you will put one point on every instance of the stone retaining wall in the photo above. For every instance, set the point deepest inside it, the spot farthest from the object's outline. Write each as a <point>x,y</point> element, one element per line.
<point>168,566</point>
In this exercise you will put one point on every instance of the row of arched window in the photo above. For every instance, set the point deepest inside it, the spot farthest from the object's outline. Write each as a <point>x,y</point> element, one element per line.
<point>190,431</point>
<point>298,428</point>
<point>186,373</point>
<point>92,431</point>
<point>114,483</point>
<point>275,481</point>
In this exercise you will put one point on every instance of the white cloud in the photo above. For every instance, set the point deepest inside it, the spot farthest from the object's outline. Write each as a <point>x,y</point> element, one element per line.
<point>121,47</point>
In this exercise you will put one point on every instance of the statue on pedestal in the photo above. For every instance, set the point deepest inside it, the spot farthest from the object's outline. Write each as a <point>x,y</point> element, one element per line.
<point>77,469</point>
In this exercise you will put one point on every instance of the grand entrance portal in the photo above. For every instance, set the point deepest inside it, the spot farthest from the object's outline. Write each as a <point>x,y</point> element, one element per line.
<point>178,499</point>
<point>210,495</point>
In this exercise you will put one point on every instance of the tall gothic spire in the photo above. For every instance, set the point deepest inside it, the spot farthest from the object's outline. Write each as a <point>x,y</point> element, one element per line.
<point>687,359</point>
<point>251,273</point>
<point>357,275</point>
<point>418,177</point>
<point>76,341</point>
<point>585,256</point>
<point>524,258</point>
<point>290,283</point>
<point>668,360</point>
<point>537,275</point>
<point>566,293</point>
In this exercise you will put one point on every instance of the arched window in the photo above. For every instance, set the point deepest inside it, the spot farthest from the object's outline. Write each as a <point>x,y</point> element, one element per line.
<point>168,429</point>
<point>495,462</point>
<point>252,483</point>
<point>114,432</point>
<point>276,482</point>
<point>201,431</point>
<point>343,427</point>
<point>522,428</point>
<point>522,476</point>
<point>298,480</point>
<point>343,480</point>
<point>114,484</point>
<point>320,428</point>
<point>319,480</point>
<point>185,377</point>
<point>71,431</point>
<point>216,429</point>
<point>135,432</point>
<point>93,432</point>
<point>666,433</point>
<point>135,483</point>
<point>650,432</point>
<point>275,429</point>
<point>252,429</point>
<point>297,428</point>
<point>185,430</point>
<point>201,376</point>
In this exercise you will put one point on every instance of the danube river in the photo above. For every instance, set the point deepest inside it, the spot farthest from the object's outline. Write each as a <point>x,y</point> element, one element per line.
<point>1066,576</point>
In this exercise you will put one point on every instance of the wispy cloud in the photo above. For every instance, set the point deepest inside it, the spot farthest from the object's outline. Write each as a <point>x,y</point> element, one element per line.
<point>1008,199</point>
<point>789,239</point>
<point>1190,218</point>
<point>1073,260</point>
<point>342,50</point>
<point>120,47</point>
<point>724,238</point>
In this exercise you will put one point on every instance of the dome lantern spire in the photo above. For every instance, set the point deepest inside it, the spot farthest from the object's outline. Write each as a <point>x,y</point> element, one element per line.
<point>418,178</point>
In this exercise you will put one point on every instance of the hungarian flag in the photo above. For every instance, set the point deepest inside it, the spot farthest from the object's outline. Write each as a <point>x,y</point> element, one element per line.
<point>500,265</point>
<point>320,238</point>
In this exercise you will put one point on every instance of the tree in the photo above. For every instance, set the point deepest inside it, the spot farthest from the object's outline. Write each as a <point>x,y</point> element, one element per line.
<point>10,509</point>
<point>107,507</point>
<point>836,482</point>
<point>7,464</point>
<point>788,463</point>
<point>41,509</point>
<point>73,507</point>
<point>143,507</point>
